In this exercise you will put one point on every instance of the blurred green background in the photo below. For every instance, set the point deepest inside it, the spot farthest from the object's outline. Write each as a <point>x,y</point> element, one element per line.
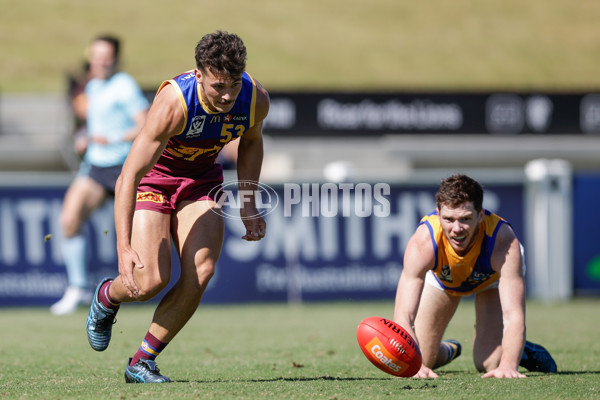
<point>383,45</point>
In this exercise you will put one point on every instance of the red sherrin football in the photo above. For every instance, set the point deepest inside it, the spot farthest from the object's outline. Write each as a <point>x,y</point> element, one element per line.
<point>389,347</point>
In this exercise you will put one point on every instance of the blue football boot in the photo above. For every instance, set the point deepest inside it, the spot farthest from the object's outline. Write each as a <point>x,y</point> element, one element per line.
<point>144,371</point>
<point>537,359</point>
<point>99,322</point>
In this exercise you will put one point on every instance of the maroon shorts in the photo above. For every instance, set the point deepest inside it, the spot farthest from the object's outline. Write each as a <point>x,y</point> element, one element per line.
<point>162,193</point>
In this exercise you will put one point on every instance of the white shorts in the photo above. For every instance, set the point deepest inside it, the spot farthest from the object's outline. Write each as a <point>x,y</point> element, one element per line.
<point>430,278</point>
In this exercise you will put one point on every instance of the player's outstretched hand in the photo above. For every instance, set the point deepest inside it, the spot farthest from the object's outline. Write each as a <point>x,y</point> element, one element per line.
<point>425,372</point>
<point>503,373</point>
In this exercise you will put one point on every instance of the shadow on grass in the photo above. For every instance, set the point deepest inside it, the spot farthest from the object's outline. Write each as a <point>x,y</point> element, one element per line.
<point>409,383</point>
<point>449,372</point>
<point>421,384</point>
<point>570,373</point>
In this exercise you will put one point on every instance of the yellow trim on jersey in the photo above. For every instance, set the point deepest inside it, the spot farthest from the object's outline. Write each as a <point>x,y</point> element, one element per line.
<point>202,103</point>
<point>253,102</point>
<point>181,100</point>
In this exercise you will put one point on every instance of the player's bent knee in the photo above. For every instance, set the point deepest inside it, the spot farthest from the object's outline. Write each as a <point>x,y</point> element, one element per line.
<point>480,367</point>
<point>206,274</point>
<point>487,364</point>
<point>150,288</point>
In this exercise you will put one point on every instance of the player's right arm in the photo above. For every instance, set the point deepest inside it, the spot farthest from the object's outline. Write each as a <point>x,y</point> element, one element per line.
<point>165,119</point>
<point>419,257</point>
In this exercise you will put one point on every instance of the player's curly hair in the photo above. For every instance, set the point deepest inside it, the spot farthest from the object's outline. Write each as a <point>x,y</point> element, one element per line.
<point>458,189</point>
<point>222,53</point>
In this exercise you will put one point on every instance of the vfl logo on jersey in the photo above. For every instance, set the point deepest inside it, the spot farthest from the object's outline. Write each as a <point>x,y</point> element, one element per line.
<point>196,127</point>
<point>446,275</point>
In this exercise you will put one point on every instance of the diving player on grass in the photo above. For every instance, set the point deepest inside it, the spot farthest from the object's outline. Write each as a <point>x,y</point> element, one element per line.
<point>463,249</point>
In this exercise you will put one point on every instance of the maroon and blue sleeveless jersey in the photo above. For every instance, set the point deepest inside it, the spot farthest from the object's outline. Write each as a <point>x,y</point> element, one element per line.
<point>194,150</point>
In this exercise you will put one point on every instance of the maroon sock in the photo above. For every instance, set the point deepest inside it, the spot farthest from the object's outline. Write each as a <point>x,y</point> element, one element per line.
<point>149,349</point>
<point>104,297</point>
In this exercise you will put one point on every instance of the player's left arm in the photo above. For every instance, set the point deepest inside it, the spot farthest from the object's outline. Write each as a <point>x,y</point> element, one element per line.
<point>249,164</point>
<point>507,260</point>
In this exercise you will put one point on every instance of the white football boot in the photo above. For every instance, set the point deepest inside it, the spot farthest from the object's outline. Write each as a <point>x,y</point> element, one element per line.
<point>72,298</point>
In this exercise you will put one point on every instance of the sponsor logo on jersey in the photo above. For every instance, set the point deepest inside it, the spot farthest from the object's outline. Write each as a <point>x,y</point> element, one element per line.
<point>235,118</point>
<point>150,196</point>
<point>191,153</point>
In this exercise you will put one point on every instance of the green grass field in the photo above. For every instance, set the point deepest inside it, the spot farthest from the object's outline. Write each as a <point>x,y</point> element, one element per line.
<point>315,44</point>
<point>310,351</point>
<point>276,351</point>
